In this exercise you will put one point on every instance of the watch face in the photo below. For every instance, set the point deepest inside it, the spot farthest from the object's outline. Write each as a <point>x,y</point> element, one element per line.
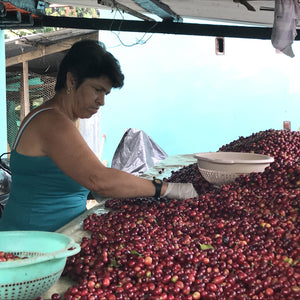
<point>157,181</point>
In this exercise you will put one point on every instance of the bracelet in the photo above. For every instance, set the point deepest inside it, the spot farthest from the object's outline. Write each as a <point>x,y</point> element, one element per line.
<point>158,184</point>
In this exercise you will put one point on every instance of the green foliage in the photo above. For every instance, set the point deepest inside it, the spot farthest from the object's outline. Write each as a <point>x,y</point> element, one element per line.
<point>70,11</point>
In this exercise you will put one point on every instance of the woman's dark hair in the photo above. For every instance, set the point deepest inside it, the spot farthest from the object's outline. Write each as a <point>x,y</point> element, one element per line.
<point>89,59</point>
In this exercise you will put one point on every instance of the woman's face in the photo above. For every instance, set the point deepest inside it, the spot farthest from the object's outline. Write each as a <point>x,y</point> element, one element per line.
<point>89,96</point>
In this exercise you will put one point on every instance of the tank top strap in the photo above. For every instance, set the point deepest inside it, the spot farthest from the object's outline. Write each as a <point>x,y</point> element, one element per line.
<point>24,126</point>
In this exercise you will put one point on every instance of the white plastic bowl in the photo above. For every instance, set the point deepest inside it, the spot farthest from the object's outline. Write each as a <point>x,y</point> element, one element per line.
<point>224,167</point>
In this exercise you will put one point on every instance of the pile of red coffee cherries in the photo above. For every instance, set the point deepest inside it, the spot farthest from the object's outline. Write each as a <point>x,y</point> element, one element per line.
<point>239,241</point>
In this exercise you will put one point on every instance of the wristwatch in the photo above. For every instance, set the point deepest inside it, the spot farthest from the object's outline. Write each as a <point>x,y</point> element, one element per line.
<point>158,184</point>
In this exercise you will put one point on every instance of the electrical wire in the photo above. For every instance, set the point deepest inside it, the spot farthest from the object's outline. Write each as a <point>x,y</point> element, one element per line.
<point>140,41</point>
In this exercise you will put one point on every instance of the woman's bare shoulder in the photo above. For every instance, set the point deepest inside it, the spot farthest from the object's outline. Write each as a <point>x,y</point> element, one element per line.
<point>48,125</point>
<point>50,118</point>
<point>40,128</point>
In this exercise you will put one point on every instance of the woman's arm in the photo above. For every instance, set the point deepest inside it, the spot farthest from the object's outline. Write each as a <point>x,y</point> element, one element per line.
<point>63,143</point>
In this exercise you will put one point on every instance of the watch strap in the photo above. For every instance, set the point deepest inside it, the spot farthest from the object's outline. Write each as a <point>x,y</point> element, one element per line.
<point>158,184</point>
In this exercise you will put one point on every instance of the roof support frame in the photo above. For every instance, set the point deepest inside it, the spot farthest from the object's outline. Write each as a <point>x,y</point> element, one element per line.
<point>114,4</point>
<point>31,6</point>
<point>43,50</point>
<point>263,33</point>
<point>158,8</point>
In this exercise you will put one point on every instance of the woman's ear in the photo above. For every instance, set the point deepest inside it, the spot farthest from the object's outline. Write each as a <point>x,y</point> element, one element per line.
<point>70,80</point>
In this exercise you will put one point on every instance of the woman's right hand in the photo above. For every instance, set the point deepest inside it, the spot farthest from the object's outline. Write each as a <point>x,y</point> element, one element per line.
<point>180,191</point>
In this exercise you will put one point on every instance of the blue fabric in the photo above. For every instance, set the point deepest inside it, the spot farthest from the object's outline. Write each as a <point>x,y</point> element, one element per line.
<point>42,197</point>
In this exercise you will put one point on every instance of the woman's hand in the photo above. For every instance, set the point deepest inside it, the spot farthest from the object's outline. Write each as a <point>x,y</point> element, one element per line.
<point>180,191</point>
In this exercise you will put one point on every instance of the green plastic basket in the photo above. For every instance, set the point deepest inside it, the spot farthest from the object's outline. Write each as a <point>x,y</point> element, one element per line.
<point>46,254</point>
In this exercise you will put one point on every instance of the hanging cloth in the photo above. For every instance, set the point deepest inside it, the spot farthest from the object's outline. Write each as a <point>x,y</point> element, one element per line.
<point>286,16</point>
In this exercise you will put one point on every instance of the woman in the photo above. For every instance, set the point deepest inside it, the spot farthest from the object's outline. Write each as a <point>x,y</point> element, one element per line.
<point>53,169</point>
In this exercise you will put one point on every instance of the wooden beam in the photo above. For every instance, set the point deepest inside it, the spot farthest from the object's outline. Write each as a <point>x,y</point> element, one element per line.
<point>247,32</point>
<point>43,50</point>
<point>8,151</point>
<point>43,85</point>
<point>25,104</point>
<point>263,33</point>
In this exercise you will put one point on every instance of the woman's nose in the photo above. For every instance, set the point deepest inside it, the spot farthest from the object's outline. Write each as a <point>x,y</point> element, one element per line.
<point>101,100</point>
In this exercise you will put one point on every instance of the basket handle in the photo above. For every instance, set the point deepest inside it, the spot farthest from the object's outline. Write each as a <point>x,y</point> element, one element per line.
<point>71,249</point>
<point>216,160</point>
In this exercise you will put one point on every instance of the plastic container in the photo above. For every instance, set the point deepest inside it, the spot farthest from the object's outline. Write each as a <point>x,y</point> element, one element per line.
<point>221,168</point>
<point>46,254</point>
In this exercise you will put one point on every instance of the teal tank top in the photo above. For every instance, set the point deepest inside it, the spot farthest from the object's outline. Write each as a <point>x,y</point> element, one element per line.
<point>42,197</point>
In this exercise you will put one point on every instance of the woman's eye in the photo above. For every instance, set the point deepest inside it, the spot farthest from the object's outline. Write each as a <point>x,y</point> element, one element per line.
<point>101,90</point>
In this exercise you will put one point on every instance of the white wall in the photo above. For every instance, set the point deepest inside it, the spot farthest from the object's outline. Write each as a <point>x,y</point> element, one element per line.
<point>188,99</point>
